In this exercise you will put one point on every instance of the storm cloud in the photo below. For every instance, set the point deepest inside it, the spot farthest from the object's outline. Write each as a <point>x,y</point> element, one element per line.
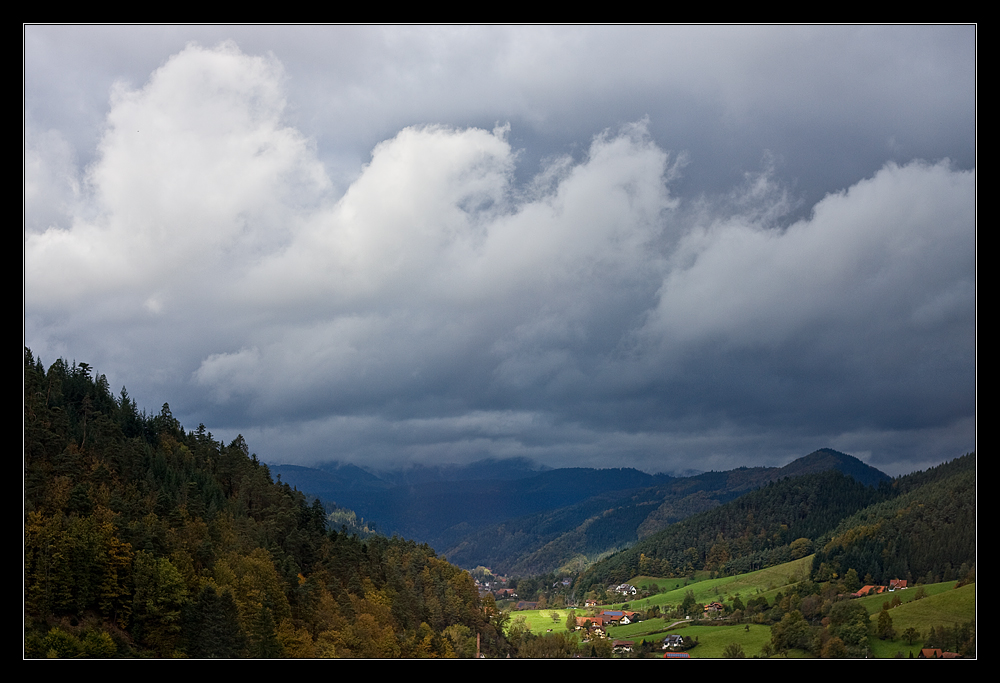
<point>507,273</point>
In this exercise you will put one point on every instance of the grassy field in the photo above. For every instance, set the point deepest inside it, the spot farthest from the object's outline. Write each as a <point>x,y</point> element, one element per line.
<point>873,603</point>
<point>648,627</point>
<point>667,585</point>
<point>540,620</point>
<point>945,606</point>
<point>765,582</point>
<point>712,640</point>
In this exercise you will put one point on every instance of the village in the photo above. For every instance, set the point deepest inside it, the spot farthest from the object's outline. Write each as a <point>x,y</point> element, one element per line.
<point>644,619</point>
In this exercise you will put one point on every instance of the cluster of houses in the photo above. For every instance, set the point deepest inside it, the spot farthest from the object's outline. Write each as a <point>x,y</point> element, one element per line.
<point>497,588</point>
<point>597,625</point>
<point>894,585</point>
<point>623,589</point>
<point>610,618</point>
<point>494,586</point>
<point>672,643</point>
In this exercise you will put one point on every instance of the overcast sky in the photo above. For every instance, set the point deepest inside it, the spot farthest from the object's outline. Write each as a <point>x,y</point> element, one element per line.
<point>672,248</point>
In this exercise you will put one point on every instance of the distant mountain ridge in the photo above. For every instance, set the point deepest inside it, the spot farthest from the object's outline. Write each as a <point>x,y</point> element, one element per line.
<point>515,519</point>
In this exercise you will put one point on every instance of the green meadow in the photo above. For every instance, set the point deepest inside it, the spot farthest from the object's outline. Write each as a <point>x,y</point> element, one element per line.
<point>712,640</point>
<point>944,605</point>
<point>765,582</point>
<point>873,603</point>
<point>540,620</point>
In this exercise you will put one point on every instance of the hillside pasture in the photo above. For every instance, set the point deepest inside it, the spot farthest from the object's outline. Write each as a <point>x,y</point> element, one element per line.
<point>944,607</point>
<point>761,582</point>
<point>712,640</point>
<point>873,603</point>
<point>540,620</point>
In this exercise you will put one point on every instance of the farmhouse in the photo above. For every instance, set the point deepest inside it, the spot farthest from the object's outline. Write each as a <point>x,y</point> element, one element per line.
<point>620,617</point>
<point>596,623</point>
<point>623,645</point>
<point>672,640</point>
<point>714,608</point>
<point>868,590</point>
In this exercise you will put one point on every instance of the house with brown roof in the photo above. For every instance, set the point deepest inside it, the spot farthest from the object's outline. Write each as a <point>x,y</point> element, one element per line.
<point>868,590</point>
<point>623,645</point>
<point>596,623</point>
<point>937,653</point>
<point>616,617</point>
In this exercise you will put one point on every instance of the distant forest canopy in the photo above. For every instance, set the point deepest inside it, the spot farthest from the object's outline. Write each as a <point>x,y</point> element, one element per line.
<point>143,539</point>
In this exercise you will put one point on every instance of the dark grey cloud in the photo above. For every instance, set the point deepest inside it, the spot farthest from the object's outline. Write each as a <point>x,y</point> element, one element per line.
<point>667,247</point>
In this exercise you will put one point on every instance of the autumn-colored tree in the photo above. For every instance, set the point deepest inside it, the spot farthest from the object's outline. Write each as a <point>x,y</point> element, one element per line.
<point>834,649</point>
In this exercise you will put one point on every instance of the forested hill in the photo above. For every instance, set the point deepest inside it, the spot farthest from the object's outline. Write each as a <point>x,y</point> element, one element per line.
<point>920,526</point>
<point>143,539</point>
<point>774,524</point>
<point>926,530</point>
